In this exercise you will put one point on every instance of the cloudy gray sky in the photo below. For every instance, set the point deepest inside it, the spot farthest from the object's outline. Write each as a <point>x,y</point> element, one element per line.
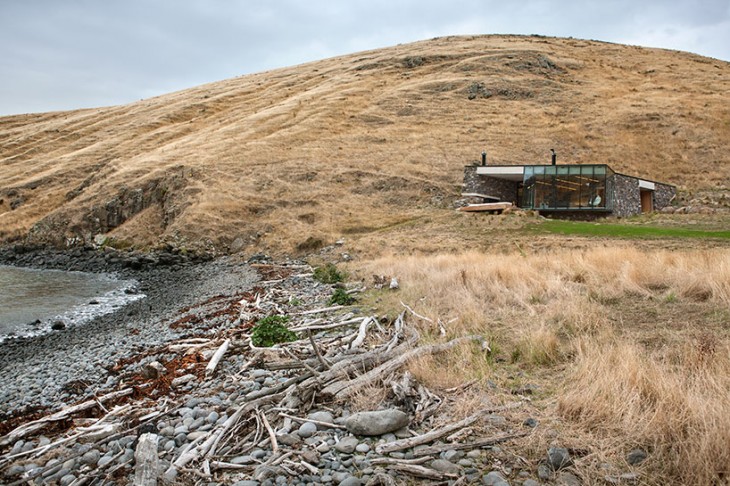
<point>65,54</point>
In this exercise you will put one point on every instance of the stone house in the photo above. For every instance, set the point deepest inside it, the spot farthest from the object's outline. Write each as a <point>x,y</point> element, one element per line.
<point>573,191</point>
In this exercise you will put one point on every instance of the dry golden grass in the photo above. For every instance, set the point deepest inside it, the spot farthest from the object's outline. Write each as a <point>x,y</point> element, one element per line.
<point>357,145</point>
<point>678,412</point>
<point>629,347</point>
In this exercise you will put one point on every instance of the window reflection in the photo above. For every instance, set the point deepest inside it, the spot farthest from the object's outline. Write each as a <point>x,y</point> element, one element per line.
<point>566,187</point>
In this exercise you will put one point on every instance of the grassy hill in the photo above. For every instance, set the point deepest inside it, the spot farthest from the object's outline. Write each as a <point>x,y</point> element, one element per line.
<point>297,157</point>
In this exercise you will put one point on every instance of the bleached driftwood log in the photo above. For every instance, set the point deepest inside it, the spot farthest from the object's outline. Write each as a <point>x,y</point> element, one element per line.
<point>146,461</point>
<point>210,369</point>
<point>345,388</point>
<point>438,433</point>
<point>488,441</point>
<point>422,472</point>
<point>36,425</point>
<point>362,332</point>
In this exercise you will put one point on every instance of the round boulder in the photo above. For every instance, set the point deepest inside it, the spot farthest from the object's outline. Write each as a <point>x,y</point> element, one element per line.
<point>376,422</point>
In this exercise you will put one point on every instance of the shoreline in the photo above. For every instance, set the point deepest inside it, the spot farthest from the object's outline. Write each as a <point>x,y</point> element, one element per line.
<point>51,370</point>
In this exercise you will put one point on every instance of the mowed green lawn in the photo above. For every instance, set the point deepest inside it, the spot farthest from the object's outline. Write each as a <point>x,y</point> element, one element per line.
<point>612,230</point>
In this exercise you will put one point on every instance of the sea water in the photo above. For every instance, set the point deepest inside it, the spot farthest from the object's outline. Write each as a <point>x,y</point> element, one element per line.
<point>32,300</point>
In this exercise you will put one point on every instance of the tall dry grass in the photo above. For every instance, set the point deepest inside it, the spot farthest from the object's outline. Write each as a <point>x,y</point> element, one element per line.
<point>679,413</point>
<point>543,311</point>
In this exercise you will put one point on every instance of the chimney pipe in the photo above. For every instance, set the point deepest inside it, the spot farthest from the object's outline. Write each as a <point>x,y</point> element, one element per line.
<point>484,158</point>
<point>554,157</point>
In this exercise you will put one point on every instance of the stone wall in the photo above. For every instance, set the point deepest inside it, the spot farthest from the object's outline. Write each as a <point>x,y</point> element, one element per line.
<point>663,196</point>
<point>626,196</point>
<point>502,189</point>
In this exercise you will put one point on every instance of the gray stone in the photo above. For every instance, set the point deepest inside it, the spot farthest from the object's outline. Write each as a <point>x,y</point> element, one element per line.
<point>636,457</point>
<point>544,472</point>
<point>530,422</point>
<point>362,448</point>
<point>288,439</point>
<point>307,429</point>
<point>494,478</point>
<point>247,482</point>
<point>347,444</point>
<point>15,470</point>
<point>323,448</point>
<point>377,422</point>
<point>52,467</point>
<point>351,481</point>
<point>453,455</point>
<point>67,479</point>
<point>195,435</point>
<point>212,417</point>
<point>17,447</point>
<point>259,373</point>
<point>559,458</point>
<point>242,460</point>
<point>322,416</point>
<point>444,466</point>
<point>105,460</point>
<point>530,482</point>
<point>568,479</point>
<point>91,458</point>
<point>153,370</point>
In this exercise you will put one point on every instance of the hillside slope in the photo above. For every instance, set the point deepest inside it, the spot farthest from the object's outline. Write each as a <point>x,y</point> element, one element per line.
<point>303,155</point>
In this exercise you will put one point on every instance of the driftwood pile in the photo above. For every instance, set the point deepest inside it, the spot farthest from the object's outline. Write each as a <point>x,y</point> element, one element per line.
<point>338,355</point>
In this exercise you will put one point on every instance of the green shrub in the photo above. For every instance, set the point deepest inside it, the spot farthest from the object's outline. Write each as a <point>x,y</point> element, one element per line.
<point>328,274</point>
<point>271,330</point>
<point>341,297</point>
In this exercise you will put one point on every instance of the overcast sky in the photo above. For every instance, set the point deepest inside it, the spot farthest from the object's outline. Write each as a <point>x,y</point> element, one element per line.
<point>66,54</point>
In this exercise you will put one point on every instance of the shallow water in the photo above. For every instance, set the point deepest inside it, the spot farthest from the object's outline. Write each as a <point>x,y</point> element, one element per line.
<point>29,295</point>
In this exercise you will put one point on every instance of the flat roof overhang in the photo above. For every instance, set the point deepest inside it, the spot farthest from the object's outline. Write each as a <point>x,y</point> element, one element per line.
<point>507,172</point>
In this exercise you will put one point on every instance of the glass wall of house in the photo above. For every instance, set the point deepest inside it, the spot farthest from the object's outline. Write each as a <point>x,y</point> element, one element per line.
<point>567,187</point>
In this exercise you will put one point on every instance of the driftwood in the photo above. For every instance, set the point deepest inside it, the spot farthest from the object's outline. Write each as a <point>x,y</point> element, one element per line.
<point>210,369</point>
<point>146,461</point>
<point>422,472</point>
<point>381,479</point>
<point>362,332</point>
<point>36,425</point>
<point>490,441</point>
<point>438,433</point>
<point>337,357</point>
<point>317,352</point>
<point>346,388</point>
<point>315,422</point>
<point>272,436</point>
<point>318,311</point>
